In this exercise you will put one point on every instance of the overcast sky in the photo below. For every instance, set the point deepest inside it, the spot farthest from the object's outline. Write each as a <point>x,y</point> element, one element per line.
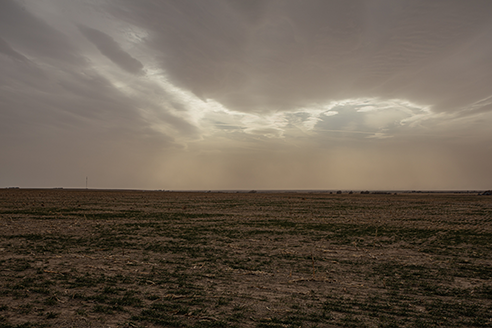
<point>246,94</point>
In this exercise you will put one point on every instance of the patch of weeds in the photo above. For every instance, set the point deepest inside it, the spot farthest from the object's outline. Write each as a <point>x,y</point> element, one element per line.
<point>110,290</point>
<point>21,265</point>
<point>83,281</point>
<point>269,325</point>
<point>40,290</point>
<point>239,307</point>
<point>51,301</point>
<point>122,279</point>
<point>323,316</point>
<point>212,324</point>
<point>466,237</point>
<point>485,291</point>
<point>127,300</point>
<point>351,321</point>
<point>152,297</point>
<point>439,308</point>
<point>222,301</point>
<point>22,325</point>
<point>81,312</point>
<point>337,305</point>
<point>274,223</point>
<point>376,306</point>
<point>387,322</point>
<point>295,306</point>
<point>173,308</point>
<point>102,309</point>
<point>158,318</point>
<point>19,294</point>
<point>474,271</point>
<point>420,323</point>
<point>481,322</point>
<point>98,298</point>
<point>25,308</point>
<point>289,321</point>
<point>236,316</point>
<point>52,315</point>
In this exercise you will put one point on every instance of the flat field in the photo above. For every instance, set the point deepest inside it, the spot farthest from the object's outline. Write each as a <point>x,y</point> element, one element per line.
<point>83,258</point>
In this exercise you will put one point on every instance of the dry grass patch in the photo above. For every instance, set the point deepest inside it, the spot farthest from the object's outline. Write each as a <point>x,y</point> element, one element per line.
<point>82,258</point>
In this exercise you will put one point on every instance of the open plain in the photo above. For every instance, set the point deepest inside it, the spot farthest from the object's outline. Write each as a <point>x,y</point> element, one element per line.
<point>85,258</point>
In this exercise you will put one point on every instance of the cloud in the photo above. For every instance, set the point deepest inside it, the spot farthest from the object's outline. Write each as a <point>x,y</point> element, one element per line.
<point>112,50</point>
<point>32,36</point>
<point>6,49</point>
<point>294,53</point>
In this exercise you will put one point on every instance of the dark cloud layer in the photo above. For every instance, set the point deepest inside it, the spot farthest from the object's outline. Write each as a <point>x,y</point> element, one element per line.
<point>6,49</point>
<point>111,49</point>
<point>211,94</point>
<point>32,36</point>
<point>292,52</point>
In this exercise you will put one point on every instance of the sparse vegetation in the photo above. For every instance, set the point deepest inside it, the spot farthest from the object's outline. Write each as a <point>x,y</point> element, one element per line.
<point>162,259</point>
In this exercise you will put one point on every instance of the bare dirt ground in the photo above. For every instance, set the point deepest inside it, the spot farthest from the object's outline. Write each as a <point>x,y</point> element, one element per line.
<point>82,258</point>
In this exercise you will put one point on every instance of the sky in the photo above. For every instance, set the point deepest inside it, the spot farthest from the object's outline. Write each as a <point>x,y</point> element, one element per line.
<point>246,94</point>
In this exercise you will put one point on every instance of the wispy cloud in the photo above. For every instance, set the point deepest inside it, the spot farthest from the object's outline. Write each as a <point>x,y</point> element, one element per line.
<point>111,49</point>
